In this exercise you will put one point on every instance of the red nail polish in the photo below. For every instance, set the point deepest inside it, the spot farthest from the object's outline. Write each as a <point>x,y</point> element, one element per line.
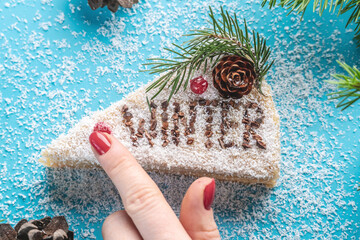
<point>100,142</point>
<point>209,194</point>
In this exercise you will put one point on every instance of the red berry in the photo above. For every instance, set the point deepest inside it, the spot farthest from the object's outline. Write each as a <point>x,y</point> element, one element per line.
<point>198,85</point>
<point>102,127</point>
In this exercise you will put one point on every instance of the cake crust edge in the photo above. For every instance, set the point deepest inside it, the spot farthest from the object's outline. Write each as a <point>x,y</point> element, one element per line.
<point>49,158</point>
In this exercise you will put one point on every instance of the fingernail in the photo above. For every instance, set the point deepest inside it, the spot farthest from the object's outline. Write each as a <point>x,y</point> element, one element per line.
<point>100,142</point>
<point>209,194</point>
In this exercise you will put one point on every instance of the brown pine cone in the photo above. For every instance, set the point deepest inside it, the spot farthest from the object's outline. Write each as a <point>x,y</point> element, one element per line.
<point>113,5</point>
<point>234,76</point>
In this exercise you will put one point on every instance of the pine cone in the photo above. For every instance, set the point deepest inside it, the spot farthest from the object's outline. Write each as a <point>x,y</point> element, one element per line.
<point>113,5</point>
<point>234,76</point>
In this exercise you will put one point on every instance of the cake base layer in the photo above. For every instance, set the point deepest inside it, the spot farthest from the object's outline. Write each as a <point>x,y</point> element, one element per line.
<point>181,143</point>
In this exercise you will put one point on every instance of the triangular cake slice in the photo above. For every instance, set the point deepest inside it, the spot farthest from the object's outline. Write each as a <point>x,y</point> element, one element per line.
<point>199,135</point>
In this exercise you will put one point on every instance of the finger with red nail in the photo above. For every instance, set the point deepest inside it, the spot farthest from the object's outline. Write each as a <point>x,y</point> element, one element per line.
<point>147,214</point>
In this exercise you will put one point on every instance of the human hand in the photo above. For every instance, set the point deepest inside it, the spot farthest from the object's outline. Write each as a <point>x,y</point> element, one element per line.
<point>147,214</point>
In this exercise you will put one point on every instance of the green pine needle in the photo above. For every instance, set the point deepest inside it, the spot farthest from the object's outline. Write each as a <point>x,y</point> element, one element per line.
<point>350,85</point>
<point>206,47</point>
<point>339,6</point>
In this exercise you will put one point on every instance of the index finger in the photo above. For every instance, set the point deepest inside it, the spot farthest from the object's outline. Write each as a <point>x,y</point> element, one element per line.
<point>142,199</point>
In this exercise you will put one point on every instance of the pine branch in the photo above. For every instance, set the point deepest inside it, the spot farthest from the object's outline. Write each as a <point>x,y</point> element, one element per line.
<point>205,48</point>
<point>350,84</point>
<point>354,17</point>
<point>339,6</point>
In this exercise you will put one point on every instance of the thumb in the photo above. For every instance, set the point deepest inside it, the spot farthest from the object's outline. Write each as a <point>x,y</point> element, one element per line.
<point>196,214</point>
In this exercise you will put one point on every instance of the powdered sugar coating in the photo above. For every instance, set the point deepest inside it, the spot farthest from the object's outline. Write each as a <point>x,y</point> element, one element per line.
<point>102,127</point>
<point>247,165</point>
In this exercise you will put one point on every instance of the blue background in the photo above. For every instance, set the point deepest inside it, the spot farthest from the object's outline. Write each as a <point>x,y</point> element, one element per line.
<point>59,60</point>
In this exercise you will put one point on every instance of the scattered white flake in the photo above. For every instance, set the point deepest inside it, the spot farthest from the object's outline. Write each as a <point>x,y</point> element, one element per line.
<point>45,25</point>
<point>37,16</point>
<point>62,44</point>
<point>7,100</point>
<point>72,8</point>
<point>60,18</point>
<point>46,1</point>
<point>50,80</point>
<point>66,68</point>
